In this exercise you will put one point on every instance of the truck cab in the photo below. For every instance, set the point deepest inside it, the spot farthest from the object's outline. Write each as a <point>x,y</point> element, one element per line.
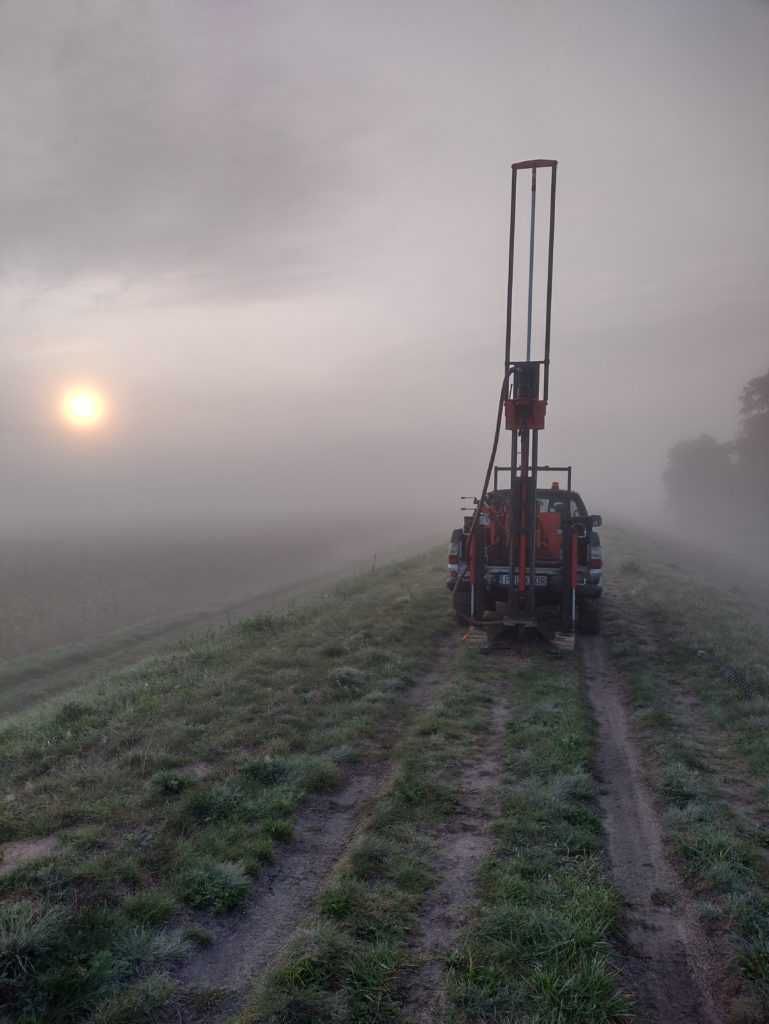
<point>556,509</point>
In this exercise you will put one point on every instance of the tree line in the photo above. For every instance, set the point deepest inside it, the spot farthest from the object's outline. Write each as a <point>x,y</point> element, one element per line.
<point>721,489</point>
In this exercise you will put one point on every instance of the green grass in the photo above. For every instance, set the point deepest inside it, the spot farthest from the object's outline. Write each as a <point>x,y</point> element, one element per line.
<point>347,967</point>
<point>706,621</point>
<point>538,950</point>
<point>696,657</point>
<point>169,786</point>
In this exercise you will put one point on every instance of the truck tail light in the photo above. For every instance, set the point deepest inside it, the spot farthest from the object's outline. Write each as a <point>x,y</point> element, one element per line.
<point>453,560</point>
<point>596,563</point>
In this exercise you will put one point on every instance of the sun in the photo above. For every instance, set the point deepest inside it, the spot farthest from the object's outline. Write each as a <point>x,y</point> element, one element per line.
<point>83,407</point>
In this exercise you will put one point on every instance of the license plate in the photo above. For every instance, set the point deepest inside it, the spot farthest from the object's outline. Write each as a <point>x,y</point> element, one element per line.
<point>504,579</point>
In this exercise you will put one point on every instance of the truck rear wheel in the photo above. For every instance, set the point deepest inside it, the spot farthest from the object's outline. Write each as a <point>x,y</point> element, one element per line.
<point>462,605</point>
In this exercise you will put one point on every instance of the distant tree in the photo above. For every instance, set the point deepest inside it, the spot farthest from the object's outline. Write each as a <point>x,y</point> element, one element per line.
<point>752,444</point>
<point>718,490</point>
<point>752,448</point>
<point>698,479</point>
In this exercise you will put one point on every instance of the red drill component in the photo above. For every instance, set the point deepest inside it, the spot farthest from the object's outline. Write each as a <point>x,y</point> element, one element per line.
<point>521,413</point>
<point>524,547</point>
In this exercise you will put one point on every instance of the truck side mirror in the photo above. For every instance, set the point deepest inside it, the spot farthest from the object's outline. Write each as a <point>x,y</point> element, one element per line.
<point>596,521</point>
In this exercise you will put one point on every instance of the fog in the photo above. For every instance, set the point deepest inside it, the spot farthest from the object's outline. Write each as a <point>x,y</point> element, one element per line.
<point>274,236</point>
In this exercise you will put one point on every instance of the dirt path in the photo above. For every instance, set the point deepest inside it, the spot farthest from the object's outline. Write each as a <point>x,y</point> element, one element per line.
<point>667,963</point>
<point>463,844</point>
<point>245,946</point>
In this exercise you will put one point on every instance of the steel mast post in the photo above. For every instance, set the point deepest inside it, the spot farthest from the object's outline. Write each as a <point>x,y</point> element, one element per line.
<point>514,439</point>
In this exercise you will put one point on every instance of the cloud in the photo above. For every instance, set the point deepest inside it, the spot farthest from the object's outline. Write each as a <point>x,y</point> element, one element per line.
<point>276,234</point>
<point>182,142</point>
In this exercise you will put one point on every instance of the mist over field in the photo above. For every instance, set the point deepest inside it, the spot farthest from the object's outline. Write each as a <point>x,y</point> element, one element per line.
<point>274,238</point>
<point>69,587</point>
<point>305,714</point>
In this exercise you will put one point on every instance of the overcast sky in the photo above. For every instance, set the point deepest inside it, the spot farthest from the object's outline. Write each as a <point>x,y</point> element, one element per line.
<point>275,236</point>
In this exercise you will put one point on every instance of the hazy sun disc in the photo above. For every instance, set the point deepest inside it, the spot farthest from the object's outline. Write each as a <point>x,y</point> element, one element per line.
<point>83,407</point>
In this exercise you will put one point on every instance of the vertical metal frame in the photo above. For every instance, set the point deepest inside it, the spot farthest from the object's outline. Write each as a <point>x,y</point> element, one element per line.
<point>549,294</point>
<point>523,507</point>
<point>532,165</point>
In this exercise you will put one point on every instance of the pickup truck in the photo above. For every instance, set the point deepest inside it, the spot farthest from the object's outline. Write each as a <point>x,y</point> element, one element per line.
<point>553,506</point>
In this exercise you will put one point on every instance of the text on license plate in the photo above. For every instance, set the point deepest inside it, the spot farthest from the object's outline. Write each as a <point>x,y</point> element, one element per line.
<point>504,579</point>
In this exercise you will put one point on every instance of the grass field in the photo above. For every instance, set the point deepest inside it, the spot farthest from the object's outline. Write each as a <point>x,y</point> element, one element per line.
<point>538,947</point>
<point>534,946</point>
<point>695,649</point>
<point>171,785</point>
<point>342,812</point>
<point>58,590</point>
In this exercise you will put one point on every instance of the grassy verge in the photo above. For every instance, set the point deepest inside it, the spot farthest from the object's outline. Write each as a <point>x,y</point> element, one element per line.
<point>697,661</point>
<point>538,948</point>
<point>166,788</point>
<point>347,968</point>
<point>47,675</point>
<point>704,614</point>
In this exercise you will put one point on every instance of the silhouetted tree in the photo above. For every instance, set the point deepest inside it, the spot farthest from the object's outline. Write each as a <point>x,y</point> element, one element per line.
<point>699,477</point>
<point>752,445</point>
<point>722,490</point>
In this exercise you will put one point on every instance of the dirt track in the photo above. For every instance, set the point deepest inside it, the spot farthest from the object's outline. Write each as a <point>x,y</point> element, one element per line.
<point>462,847</point>
<point>243,950</point>
<point>666,962</point>
<point>287,892</point>
<point>664,957</point>
<point>246,948</point>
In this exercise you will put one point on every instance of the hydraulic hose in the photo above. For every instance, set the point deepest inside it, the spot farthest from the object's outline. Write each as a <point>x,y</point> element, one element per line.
<point>489,468</point>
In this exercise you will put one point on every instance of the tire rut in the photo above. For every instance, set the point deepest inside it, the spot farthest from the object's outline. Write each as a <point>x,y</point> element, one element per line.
<point>667,963</point>
<point>463,844</point>
<point>244,947</point>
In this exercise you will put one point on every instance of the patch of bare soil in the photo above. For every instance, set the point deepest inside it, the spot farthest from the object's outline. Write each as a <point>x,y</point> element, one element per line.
<point>197,771</point>
<point>668,964</point>
<point>244,947</point>
<point>463,844</point>
<point>15,855</point>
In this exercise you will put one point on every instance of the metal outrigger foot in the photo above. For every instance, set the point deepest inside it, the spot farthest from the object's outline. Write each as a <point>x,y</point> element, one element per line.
<point>509,634</point>
<point>563,643</point>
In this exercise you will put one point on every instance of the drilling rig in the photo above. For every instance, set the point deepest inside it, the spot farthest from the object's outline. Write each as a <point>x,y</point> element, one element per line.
<point>527,557</point>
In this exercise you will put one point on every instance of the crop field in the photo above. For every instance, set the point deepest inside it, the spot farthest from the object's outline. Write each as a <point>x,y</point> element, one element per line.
<point>341,812</point>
